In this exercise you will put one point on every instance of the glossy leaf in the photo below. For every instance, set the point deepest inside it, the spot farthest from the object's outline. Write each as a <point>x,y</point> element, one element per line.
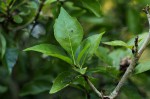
<point>88,47</point>
<point>83,51</point>
<point>93,6</point>
<point>142,67</point>
<point>68,32</point>
<point>3,45</point>
<point>63,80</point>
<point>118,43</point>
<point>51,50</point>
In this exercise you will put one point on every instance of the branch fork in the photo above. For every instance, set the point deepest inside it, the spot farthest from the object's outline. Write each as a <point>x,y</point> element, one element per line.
<point>136,55</point>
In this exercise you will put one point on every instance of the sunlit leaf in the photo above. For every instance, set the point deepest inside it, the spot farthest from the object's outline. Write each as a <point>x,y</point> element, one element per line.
<point>51,50</point>
<point>68,32</point>
<point>117,43</point>
<point>88,47</point>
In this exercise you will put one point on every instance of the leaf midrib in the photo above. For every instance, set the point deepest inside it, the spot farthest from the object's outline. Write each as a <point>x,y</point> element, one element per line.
<point>70,43</point>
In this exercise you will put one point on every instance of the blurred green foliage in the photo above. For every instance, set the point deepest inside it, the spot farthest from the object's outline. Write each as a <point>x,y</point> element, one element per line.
<point>29,75</point>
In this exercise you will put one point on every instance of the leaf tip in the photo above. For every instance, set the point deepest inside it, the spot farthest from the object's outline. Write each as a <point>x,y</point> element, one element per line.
<point>51,91</point>
<point>25,49</point>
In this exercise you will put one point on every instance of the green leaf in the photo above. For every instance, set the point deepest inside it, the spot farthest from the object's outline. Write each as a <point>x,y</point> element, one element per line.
<point>68,32</point>
<point>83,51</point>
<point>63,80</point>
<point>141,37</point>
<point>28,13</point>
<point>93,6</point>
<point>118,43</point>
<point>87,48</point>
<point>49,1</point>
<point>81,70</point>
<point>142,67</point>
<point>120,54</point>
<point>3,45</point>
<point>17,19</point>
<point>102,53</point>
<point>3,7</point>
<point>51,50</point>
<point>36,86</point>
<point>106,70</point>
<point>11,57</point>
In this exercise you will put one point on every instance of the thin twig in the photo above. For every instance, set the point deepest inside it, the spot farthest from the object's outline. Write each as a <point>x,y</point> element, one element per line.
<point>37,15</point>
<point>127,73</point>
<point>134,61</point>
<point>92,86</point>
<point>146,10</point>
<point>8,16</point>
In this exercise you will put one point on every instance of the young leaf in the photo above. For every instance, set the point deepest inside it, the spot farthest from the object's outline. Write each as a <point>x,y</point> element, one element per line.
<point>93,6</point>
<point>118,43</point>
<point>88,47</point>
<point>51,50</point>
<point>142,67</point>
<point>83,51</point>
<point>63,80</point>
<point>3,45</point>
<point>68,32</point>
<point>81,70</point>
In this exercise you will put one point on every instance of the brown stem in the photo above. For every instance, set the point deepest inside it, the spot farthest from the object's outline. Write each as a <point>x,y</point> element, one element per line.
<point>92,86</point>
<point>37,15</point>
<point>134,61</point>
